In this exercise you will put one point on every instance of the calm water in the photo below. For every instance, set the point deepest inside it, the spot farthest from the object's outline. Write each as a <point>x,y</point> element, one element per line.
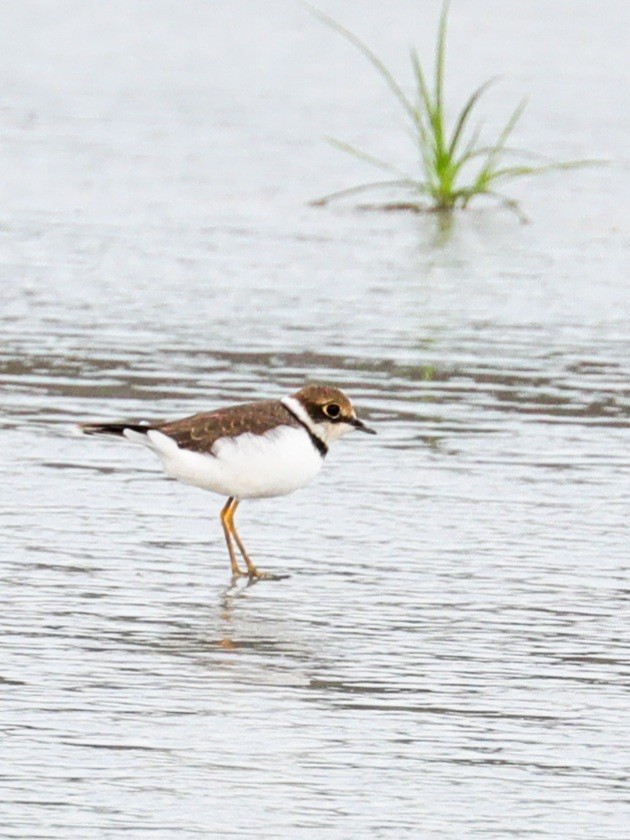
<point>449,657</point>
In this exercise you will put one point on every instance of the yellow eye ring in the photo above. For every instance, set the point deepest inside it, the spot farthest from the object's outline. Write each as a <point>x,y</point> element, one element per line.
<point>332,410</point>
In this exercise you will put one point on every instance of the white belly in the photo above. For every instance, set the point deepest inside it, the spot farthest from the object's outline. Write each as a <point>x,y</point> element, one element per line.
<point>245,467</point>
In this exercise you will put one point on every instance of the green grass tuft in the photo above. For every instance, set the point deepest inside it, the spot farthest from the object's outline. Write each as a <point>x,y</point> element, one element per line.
<point>455,167</point>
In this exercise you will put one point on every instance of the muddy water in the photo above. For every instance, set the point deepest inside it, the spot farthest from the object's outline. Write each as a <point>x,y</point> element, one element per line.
<point>448,657</point>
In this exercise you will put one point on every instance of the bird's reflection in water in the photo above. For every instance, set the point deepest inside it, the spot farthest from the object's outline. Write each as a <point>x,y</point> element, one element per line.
<point>236,589</point>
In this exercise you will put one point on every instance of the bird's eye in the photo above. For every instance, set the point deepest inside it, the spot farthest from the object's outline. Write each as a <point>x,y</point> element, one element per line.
<point>332,410</point>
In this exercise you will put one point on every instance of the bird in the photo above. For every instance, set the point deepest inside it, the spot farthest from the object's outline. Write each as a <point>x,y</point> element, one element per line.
<point>252,450</point>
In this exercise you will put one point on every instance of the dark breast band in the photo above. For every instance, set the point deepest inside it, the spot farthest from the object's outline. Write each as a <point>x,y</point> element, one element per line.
<point>318,443</point>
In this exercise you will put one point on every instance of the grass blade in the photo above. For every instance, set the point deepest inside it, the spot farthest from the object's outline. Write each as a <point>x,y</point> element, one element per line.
<point>371,56</point>
<point>497,150</point>
<point>521,171</point>
<point>366,156</point>
<point>440,58</point>
<point>464,116</point>
<point>424,96</point>
<point>373,185</point>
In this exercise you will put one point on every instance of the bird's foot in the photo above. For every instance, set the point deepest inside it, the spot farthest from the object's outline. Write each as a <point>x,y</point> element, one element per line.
<point>255,575</point>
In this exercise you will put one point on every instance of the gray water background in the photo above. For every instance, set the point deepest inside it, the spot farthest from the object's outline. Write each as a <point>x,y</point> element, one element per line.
<point>449,657</point>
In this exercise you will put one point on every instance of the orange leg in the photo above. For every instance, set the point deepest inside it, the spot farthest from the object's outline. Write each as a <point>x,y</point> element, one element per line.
<point>229,528</point>
<point>226,521</point>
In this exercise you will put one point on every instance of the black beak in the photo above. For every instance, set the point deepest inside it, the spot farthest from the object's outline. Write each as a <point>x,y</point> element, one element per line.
<point>359,424</point>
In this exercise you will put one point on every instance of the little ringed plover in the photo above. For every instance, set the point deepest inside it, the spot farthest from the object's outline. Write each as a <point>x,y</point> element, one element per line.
<point>255,450</point>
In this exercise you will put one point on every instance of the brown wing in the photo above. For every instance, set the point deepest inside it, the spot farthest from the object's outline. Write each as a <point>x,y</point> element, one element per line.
<point>199,432</point>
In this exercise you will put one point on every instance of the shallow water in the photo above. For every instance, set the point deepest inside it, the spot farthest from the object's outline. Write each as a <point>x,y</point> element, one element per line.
<point>449,655</point>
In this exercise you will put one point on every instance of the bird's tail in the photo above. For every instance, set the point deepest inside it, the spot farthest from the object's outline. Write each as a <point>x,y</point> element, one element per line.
<point>116,429</point>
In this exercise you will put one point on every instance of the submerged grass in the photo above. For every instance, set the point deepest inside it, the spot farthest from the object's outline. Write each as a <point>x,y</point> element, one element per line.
<point>455,166</point>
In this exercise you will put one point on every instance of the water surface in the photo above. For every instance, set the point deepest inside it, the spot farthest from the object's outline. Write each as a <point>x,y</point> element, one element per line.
<point>449,655</point>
